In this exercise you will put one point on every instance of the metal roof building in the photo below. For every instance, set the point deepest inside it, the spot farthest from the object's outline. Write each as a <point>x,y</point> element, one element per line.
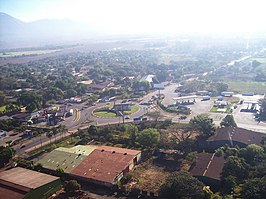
<point>102,165</point>
<point>20,183</point>
<point>61,159</point>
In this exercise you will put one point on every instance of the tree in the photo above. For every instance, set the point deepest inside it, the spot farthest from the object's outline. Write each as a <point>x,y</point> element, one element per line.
<point>60,172</point>
<point>38,166</point>
<point>6,153</point>
<point>31,100</point>
<point>203,124</point>
<point>133,131</point>
<point>235,166</point>
<point>72,186</point>
<point>62,129</point>
<point>92,130</point>
<point>254,188</point>
<point>2,98</point>
<point>149,137</point>
<point>53,93</point>
<point>262,104</point>
<point>155,115</point>
<point>70,93</point>
<point>181,184</point>
<point>228,121</point>
<point>252,153</point>
<point>50,135</point>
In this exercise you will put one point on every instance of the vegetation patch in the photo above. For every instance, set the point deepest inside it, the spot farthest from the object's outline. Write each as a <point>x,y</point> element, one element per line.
<point>147,176</point>
<point>104,114</point>
<point>134,109</point>
<point>67,142</point>
<point>241,87</point>
<point>26,53</point>
<point>218,110</point>
<point>261,60</point>
<point>2,108</point>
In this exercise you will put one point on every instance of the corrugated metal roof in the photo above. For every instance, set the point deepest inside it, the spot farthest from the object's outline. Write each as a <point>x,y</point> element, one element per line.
<point>26,177</point>
<point>103,165</point>
<point>79,149</point>
<point>60,159</point>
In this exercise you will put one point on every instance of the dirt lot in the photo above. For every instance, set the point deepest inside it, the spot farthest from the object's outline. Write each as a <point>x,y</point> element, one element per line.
<point>151,174</point>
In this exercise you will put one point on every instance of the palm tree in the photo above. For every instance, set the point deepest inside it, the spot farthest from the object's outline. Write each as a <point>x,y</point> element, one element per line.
<point>49,135</point>
<point>54,131</point>
<point>62,129</point>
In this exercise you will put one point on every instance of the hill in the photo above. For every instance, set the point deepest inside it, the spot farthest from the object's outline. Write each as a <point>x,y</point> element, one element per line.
<point>15,33</point>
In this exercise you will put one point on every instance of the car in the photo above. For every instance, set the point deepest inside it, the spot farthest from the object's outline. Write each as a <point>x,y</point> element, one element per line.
<point>127,117</point>
<point>22,146</point>
<point>183,117</point>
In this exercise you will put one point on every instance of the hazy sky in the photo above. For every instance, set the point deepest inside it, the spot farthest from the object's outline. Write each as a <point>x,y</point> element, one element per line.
<point>201,16</point>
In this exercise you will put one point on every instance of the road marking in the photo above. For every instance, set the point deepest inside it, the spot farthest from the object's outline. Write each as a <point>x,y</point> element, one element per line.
<point>77,115</point>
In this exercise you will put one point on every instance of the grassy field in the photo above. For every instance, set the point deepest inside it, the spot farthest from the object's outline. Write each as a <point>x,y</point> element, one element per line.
<point>261,60</point>
<point>241,86</point>
<point>2,108</point>
<point>134,109</point>
<point>104,114</point>
<point>24,53</point>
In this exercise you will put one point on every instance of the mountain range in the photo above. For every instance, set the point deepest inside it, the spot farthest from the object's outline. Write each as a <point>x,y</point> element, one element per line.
<point>15,33</point>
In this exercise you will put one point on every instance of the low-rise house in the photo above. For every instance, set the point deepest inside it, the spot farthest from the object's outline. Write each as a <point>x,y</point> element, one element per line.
<point>22,117</point>
<point>232,136</point>
<point>208,168</point>
<point>18,183</point>
<point>100,86</point>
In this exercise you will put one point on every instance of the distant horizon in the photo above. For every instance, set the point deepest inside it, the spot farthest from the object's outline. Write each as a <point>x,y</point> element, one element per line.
<point>148,17</point>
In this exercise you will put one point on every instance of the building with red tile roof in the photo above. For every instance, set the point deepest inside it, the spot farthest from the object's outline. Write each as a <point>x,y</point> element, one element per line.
<point>106,167</point>
<point>208,168</point>
<point>232,136</point>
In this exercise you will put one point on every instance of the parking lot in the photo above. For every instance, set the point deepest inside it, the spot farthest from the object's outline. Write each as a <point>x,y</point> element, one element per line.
<point>247,119</point>
<point>242,118</point>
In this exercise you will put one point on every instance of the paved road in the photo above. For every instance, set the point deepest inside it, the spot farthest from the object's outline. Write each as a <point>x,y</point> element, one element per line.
<point>83,117</point>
